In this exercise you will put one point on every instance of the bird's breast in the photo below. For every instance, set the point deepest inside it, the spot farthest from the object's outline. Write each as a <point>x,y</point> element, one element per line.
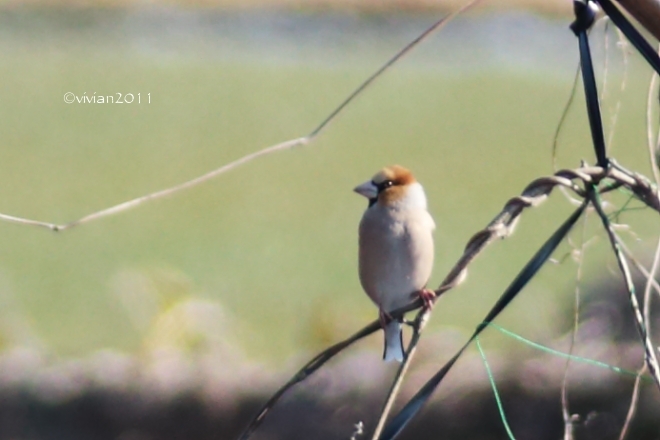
<point>395,255</point>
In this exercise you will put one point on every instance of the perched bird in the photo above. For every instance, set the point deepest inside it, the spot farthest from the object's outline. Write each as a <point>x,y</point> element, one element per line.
<point>396,248</point>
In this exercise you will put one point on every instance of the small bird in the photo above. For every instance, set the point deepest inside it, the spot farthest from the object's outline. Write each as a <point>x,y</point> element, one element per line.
<point>395,248</point>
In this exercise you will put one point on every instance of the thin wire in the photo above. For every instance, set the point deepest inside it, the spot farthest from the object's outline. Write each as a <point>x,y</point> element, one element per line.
<point>491,379</point>
<point>568,356</point>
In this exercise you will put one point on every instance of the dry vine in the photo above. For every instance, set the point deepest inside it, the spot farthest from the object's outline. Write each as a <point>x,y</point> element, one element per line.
<point>501,226</point>
<point>586,182</point>
<point>301,141</point>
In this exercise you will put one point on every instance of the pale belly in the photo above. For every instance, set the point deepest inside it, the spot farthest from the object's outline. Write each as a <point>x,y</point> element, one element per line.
<point>396,259</point>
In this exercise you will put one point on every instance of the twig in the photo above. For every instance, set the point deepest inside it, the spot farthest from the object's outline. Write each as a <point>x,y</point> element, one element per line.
<point>560,126</point>
<point>418,326</point>
<point>650,280</point>
<point>189,184</point>
<point>434,27</point>
<point>562,118</point>
<point>650,356</point>
<point>652,140</point>
<point>632,409</point>
<point>540,257</point>
<point>624,80</point>
<point>568,419</point>
<point>647,289</point>
<point>317,362</point>
<point>358,431</point>
<point>502,225</point>
<point>305,140</point>
<point>638,184</point>
<point>25,221</point>
<point>644,271</point>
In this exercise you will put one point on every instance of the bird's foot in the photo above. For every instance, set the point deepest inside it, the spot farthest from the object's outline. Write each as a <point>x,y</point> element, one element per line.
<point>384,317</point>
<point>427,296</point>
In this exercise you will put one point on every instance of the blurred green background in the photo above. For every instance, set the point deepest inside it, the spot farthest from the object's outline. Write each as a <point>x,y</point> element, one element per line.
<point>273,243</point>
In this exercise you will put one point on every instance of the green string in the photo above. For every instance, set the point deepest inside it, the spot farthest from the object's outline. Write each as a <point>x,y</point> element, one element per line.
<point>500,408</point>
<point>624,208</point>
<point>569,356</point>
<point>543,348</point>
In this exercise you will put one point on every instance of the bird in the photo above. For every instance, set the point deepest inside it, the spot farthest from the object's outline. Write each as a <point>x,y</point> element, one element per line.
<point>396,248</point>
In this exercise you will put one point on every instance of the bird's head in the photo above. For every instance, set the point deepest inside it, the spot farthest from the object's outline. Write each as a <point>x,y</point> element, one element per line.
<point>393,186</point>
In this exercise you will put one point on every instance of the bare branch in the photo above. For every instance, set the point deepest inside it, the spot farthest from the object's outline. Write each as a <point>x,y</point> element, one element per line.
<point>650,282</point>
<point>568,419</point>
<point>305,140</point>
<point>650,356</point>
<point>651,138</point>
<point>317,362</point>
<point>501,226</point>
<point>632,409</point>
<point>562,118</point>
<point>25,221</point>
<point>189,184</point>
<point>418,326</point>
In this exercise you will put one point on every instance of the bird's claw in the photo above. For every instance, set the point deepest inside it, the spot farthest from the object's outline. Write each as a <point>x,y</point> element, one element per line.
<point>427,296</point>
<point>384,318</point>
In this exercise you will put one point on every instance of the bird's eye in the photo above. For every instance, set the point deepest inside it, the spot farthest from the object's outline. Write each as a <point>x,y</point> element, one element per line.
<point>383,185</point>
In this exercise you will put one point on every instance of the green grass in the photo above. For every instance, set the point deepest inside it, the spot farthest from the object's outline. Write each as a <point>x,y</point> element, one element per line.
<point>274,242</point>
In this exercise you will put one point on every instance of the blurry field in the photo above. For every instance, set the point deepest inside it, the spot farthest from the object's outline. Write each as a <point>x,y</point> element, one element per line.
<point>273,242</point>
<point>548,6</point>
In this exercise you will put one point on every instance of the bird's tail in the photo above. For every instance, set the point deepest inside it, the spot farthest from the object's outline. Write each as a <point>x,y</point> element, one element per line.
<point>393,342</point>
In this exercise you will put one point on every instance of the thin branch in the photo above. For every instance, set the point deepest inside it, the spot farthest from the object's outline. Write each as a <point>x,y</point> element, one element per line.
<point>647,287</point>
<point>502,225</point>
<point>606,58</point>
<point>640,268</point>
<point>25,221</point>
<point>632,409</point>
<point>647,291</point>
<point>558,129</point>
<point>638,184</point>
<point>418,326</point>
<point>189,184</point>
<point>301,141</point>
<point>622,43</point>
<point>434,27</point>
<point>650,356</point>
<point>540,257</point>
<point>650,279</point>
<point>358,430</point>
<point>650,282</point>
<point>317,362</point>
<point>651,138</point>
<point>568,419</point>
<point>562,118</point>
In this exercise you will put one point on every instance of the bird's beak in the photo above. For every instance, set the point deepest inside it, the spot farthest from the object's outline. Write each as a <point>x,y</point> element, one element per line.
<point>367,189</point>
